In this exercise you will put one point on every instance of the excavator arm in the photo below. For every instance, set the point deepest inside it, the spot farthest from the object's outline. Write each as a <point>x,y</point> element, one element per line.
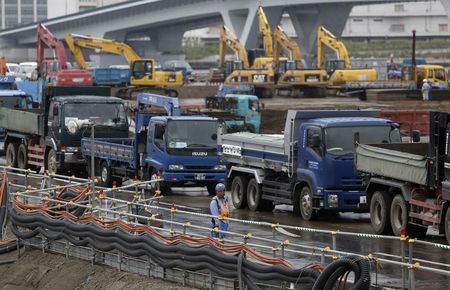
<point>76,42</point>
<point>228,39</point>
<point>265,32</point>
<point>326,39</point>
<point>281,40</point>
<point>46,39</point>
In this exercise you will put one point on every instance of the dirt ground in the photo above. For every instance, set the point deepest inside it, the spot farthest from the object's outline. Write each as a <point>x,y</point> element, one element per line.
<point>35,270</point>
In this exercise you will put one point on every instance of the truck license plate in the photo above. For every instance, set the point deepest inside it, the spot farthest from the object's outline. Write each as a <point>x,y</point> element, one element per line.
<point>78,80</point>
<point>200,176</point>
<point>362,199</point>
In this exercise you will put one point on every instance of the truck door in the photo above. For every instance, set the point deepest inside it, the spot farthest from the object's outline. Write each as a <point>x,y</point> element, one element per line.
<point>54,120</point>
<point>156,144</point>
<point>311,155</point>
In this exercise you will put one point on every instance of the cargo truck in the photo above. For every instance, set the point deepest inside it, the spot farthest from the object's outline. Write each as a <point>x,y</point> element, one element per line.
<point>181,149</point>
<point>310,166</point>
<point>49,136</point>
<point>408,185</point>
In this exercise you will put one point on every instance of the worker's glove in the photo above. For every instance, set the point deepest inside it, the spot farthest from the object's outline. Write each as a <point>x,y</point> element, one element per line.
<point>215,229</point>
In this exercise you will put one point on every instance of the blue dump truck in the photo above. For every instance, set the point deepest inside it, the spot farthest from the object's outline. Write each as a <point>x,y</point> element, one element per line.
<point>182,149</point>
<point>11,97</point>
<point>310,166</point>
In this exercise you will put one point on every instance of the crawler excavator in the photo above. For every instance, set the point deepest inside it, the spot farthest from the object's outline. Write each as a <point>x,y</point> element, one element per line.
<point>340,70</point>
<point>242,74</point>
<point>55,71</point>
<point>311,82</point>
<point>144,76</point>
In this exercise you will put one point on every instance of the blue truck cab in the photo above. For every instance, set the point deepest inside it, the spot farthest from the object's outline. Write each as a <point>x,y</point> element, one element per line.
<point>310,166</point>
<point>181,149</point>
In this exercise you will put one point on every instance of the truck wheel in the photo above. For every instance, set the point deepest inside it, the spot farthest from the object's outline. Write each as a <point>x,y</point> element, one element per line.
<point>306,204</point>
<point>380,205</point>
<point>211,187</point>
<point>447,225</point>
<point>105,174</point>
<point>239,191</point>
<point>254,199</point>
<point>22,156</point>
<point>11,154</point>
<point>51,162</point>
<point>399,214</point>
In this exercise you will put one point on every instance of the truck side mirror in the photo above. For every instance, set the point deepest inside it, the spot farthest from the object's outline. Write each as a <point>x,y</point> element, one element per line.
<point>315,142</point>
<point>415,136</point>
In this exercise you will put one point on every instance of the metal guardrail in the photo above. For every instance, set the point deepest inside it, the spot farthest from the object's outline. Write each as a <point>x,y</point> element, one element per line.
<point>118,204</point>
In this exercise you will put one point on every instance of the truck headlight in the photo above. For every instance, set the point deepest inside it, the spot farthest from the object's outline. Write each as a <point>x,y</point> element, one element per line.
<point>176,167</point>
<point>220,167</point>
<point>333,200</point>
<point>72,127</point>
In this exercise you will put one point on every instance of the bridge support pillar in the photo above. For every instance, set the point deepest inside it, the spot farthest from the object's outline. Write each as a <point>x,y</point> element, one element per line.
<point>244,23</point>
<point>307,20</point>
<point>168,39</point>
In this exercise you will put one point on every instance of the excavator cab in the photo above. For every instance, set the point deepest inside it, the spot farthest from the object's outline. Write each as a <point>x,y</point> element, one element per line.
<point>143,68</point>
<point>335,64</point>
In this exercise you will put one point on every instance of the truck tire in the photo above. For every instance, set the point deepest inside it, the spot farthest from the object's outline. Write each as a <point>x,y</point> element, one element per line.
<point>239,191</point>
<point>399,214</point>
<point>447,225</point>
<point>254,198</point>
<point>22,156</point>
<point>380,218</point>
<point>105,174</point>
<point>306,204</point>
<point>50,162</point>
<point>11,154</point>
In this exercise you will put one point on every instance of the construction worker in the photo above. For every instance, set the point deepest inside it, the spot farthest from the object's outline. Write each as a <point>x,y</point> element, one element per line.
<point>220,212</point>
<point>426,89</point>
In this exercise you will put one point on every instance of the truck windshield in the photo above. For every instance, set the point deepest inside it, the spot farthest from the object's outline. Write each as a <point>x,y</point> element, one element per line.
<point>339,140</point>
<point>107,114</point>
<point>192,134</point>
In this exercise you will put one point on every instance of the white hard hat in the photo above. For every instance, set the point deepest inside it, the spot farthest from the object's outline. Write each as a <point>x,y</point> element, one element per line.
<point>425,80</point>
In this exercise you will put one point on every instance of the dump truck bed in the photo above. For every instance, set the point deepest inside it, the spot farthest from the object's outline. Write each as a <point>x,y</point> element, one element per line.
<point>406,162</point>
<point>27,121</point>
<point>258,150</point>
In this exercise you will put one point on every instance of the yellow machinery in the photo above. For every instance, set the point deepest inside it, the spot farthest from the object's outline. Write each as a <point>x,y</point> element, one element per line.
<point>340,70</point>
<point>143,71</point>
<point>241,73</point>
<point>312,82</point>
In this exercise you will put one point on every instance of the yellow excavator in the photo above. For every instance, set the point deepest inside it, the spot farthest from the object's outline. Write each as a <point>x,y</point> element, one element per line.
<point>143,73</point>
<point>340,70</point>
<point>312,82</point>
<point>241,72</point>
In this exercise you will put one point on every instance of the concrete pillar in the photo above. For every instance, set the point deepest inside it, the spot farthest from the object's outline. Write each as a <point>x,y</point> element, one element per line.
<point>446,5</point>
<point>235,20</point>
<point>307,20</point>
<point>273,15</point>
<point>168,39</point>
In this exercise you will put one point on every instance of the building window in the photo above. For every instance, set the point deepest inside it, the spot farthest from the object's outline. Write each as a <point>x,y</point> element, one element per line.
<point>358,20</point>
<point>397,28</point>
<point>399,8</point>
<point>443,27</point>
<point>378,20</point>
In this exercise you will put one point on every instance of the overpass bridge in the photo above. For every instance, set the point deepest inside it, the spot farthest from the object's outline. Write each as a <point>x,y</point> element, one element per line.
<point>164,22</point>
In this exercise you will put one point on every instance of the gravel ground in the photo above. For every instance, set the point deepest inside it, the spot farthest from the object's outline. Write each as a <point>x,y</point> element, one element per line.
<point>36,270</point>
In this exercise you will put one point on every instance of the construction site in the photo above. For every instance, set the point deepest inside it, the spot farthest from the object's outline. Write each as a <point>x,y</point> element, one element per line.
<point>261,172</point>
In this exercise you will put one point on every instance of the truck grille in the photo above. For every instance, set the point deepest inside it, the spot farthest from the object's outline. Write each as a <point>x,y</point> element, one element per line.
<point>198,168</point>
<point>352,182</point>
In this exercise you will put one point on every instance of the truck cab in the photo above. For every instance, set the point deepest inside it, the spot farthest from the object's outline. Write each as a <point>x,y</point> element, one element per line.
<point>183,149</point>
<point>326,158</point>
<point>239,112</point>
